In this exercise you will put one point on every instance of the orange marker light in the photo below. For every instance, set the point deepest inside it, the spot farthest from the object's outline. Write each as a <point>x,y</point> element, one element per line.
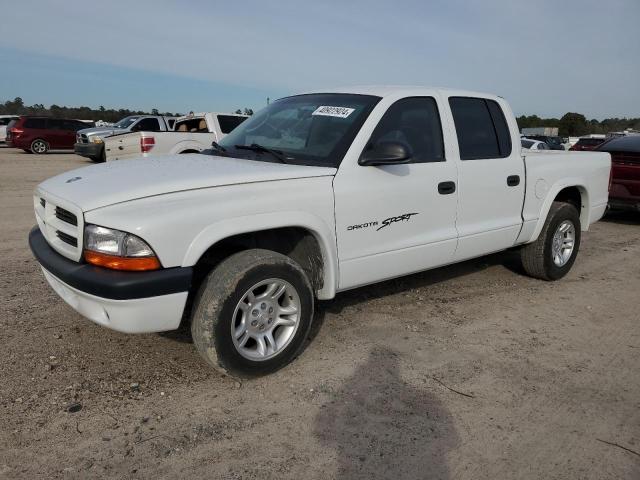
<point>137,264</point>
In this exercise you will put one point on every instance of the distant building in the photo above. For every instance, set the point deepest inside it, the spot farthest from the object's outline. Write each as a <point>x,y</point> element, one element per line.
<point>546,131</point>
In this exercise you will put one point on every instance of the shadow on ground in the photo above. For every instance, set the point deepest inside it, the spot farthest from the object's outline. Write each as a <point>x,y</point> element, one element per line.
<point>383,428</point>
<point>622,217</point>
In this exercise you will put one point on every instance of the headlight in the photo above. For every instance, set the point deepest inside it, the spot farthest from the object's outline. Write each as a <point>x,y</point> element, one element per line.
<point>110,248</point>
<point>96,140</point>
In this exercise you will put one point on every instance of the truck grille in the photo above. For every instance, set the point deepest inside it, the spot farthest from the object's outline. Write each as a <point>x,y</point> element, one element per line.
<point>61,224</point>
<point>66,216</point>
<point>68,239</point>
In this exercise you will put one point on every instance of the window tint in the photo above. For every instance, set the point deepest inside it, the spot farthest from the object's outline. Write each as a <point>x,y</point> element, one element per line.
<point>414,121</point>
<point>502,130</point>
<point>171,123</point>
<point>55,124</point>
<point>193,125</point>
<point>526,143</point>
<point>35,123</point>
<point>481,128</point>
<point>147,125</point>
<point>229,122</point>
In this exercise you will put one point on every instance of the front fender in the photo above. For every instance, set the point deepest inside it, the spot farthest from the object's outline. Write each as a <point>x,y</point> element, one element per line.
<point>220,230</point>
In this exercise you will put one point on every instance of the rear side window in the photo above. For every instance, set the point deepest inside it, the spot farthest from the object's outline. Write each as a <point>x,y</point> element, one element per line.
<point>229,122</point>
<point>481,128</point>
<point>35,123</point>
<point>414,121</point>
<point>147,125</point>
<point>56,124</point>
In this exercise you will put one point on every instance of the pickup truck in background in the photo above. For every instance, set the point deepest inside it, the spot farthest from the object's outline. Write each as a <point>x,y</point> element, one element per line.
<point>315,194</point>
<point>192,134</point>
<point>90,141</point>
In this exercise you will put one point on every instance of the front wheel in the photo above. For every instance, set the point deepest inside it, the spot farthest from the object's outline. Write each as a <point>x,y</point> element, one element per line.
<point>39,146</point>
<point>253,313</point>
<point>552,255</point>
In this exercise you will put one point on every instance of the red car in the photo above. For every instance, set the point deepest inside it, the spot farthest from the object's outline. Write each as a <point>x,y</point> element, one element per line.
<point>41,134</point>
<point>587,144</point>
<point>625,171</point>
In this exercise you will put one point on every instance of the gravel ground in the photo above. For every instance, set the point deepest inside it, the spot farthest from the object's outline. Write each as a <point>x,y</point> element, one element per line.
<point>467,372</point>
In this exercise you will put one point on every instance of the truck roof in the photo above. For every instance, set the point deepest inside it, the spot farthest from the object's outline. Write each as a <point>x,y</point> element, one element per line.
<point>408,90</point>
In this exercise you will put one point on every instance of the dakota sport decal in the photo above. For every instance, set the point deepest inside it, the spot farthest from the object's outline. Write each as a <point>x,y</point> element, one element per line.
<point>405,217</point>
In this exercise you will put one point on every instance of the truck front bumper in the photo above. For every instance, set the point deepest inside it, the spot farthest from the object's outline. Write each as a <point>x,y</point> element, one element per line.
<point>130,302</point>
<point>89,150</point>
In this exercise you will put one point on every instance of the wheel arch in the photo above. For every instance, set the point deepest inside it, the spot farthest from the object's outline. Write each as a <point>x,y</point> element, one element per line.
<point>576,194</point>
<point>308,242</point>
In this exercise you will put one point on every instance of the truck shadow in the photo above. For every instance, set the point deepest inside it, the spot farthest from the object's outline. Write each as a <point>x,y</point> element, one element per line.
<point>622,217</point>
<point>507,259</point>
<point>384,428</point>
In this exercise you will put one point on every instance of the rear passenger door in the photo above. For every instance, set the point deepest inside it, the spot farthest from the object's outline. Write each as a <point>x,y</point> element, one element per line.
<point>490,177</point>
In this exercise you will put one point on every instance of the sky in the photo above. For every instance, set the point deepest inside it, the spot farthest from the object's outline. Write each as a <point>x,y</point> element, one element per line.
<point>546,57</point>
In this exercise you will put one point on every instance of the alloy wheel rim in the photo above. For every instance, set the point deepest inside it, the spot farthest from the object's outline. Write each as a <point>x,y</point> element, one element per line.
<point>266,319</point>
<point>39,147</point>
<point>563,243</point>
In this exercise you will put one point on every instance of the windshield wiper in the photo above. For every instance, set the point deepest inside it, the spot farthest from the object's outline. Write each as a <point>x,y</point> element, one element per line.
<point>279,154</point>
<point>218,147</point>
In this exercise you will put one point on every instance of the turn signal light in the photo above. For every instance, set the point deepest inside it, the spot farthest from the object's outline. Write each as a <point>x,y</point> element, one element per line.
<point>137,264</point>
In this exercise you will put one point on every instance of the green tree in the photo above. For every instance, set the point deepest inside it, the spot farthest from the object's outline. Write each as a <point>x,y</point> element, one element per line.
<point>573,125</point>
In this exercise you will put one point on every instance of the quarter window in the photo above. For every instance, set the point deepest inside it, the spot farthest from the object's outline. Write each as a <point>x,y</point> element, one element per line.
<point>229,122</point>
<point>481,128</point>
<point>414,121</point>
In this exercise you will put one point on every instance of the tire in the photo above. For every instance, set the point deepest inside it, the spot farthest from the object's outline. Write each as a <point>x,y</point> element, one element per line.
<point>218,316</point>
<point>539,259</point>
<point>39,146</point>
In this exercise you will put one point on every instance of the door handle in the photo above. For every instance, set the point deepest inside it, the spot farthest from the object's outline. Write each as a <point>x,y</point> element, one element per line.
<point>513,180</point>
<point>446,188</point>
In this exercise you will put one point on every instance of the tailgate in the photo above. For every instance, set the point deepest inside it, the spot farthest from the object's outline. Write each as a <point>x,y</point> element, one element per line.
<point>119,147</point>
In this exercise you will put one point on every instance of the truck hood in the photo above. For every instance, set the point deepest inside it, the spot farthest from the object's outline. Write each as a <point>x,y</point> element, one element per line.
<point>100,131</point>
<point>114,182</point>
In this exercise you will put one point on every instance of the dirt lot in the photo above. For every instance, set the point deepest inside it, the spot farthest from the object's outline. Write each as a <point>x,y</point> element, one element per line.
<point>467,372</point>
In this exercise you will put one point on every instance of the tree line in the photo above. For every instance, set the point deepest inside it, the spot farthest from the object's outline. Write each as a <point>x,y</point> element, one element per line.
<point>17,107</point>
<point>575,124</point>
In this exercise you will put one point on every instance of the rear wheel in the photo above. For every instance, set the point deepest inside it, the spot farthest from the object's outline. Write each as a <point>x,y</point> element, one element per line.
<point>552,255</point>
<point>253,313</point>
<point>39,146</point>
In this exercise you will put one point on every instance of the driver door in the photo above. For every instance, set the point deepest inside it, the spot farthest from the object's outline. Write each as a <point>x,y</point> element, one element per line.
<point>397,219</point>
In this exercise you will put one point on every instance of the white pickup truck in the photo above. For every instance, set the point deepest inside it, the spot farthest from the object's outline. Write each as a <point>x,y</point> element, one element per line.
<point>316,194</point>
<point>192,133</point>
<point>90,141</point>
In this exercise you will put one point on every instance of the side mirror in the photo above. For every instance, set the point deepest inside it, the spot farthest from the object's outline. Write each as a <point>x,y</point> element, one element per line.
<point>385,153</point>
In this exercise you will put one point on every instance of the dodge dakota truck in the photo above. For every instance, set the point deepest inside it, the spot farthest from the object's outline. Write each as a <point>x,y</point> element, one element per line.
<point>90,141</point>
<point>316,194</point>
<point>192,134</point>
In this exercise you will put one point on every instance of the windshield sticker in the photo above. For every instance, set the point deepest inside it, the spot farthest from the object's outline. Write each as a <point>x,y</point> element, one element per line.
<point>340,112</point>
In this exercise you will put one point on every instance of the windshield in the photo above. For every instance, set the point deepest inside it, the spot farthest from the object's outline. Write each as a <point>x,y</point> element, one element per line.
<point>314,129</point>
<point>125,122</point>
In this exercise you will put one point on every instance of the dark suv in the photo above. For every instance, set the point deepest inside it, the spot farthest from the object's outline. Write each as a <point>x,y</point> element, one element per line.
<point>41,134</point>
<point>555,143</point>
